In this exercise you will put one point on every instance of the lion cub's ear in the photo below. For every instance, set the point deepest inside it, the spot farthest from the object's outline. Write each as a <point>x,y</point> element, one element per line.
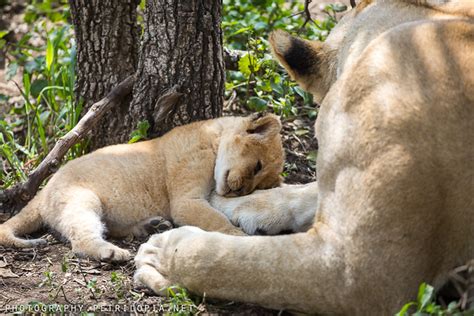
<point>264,126</point>
<point>301,58</point>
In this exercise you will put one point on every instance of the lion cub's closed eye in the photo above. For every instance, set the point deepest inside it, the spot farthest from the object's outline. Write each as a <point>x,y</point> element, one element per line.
<point>135,188</point>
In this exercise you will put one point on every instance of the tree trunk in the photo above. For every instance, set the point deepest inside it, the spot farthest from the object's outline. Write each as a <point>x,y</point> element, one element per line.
<point>181,51</point>
<point>107,36</point>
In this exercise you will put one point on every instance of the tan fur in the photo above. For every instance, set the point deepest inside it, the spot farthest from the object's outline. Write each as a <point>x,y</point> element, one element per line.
<point>123,186</point>
<point>395,174</point>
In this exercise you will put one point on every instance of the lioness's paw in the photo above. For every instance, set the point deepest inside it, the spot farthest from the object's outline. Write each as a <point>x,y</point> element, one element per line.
<point>148,276</point>
<point>154,258</point>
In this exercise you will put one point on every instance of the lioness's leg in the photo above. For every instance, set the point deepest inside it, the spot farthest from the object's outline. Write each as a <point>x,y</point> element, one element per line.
<point>80,222</point>
<point>277,271</point>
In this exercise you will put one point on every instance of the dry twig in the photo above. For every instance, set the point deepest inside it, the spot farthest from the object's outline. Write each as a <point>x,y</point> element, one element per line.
<point>306,13</point>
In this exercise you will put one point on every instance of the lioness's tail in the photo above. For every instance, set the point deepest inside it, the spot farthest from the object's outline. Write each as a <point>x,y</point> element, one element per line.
<point>25,222</point>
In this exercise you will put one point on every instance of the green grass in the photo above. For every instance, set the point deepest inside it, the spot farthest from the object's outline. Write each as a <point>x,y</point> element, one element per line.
<point>49,109</point>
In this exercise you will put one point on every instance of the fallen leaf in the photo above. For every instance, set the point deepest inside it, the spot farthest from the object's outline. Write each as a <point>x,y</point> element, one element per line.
<point>7,273</point>
<point>301,132</point>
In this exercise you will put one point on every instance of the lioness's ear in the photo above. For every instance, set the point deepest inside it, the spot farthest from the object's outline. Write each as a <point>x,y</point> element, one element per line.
<point>264,125</point>
<point>301,58</point>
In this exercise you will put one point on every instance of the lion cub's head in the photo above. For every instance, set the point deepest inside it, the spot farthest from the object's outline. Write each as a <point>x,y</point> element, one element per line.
<point>250,157</point>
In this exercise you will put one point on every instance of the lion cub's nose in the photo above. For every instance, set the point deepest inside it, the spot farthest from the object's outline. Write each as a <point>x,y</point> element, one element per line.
<point>239,191</point>
<point>234,181</point>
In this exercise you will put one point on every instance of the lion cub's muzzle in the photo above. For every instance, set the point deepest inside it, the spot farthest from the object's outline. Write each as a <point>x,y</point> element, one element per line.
<point>238,192</point>
<point>237,186</point>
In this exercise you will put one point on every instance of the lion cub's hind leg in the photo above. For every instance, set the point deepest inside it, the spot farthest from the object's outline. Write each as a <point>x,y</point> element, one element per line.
<point>150,226</point>
<point>80,222</point>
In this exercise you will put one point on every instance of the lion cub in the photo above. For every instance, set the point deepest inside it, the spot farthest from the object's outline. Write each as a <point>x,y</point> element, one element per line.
<point>122,188</point>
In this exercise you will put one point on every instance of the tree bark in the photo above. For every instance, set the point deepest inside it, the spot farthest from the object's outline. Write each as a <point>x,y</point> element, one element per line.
<point>181,52</point>
<point>107,36</point>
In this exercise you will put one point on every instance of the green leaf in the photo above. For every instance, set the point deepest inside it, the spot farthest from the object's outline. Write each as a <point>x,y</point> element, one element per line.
<point>92,283</point>
<point>30,16</point>
<point>405,308</point>
<point>312,156</point>
<point>453,307</point>
<point>277,87</point>
<point>140,133</point>
<point>11,70</point>
<point>338,7</point>
<point>64,265</point>
<point>37,86</point>
<point>301,132</point>
<point>307,97</point>
<point>257,104</point>
<point>248,65</point>
<point>312,114</point>
<point>242,30</point>
<point>26,84</point>
<point>425,294</point>
<point>49,54</point>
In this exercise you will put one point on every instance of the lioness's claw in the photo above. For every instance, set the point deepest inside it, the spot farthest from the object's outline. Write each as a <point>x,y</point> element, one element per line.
<point>149,261</point>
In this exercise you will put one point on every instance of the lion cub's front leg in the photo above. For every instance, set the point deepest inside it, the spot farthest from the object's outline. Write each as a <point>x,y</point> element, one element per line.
<point>198,212</point>
<point>189,190</point>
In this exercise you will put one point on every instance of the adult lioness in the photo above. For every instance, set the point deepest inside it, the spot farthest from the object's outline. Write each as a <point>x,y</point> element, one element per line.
<point>126,186</point>
<point>395,172</point>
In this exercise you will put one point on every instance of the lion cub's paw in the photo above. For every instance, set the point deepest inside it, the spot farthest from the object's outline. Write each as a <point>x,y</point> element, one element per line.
<point>105,252</point>
<point>150,226</point>
<point>114,254</point>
